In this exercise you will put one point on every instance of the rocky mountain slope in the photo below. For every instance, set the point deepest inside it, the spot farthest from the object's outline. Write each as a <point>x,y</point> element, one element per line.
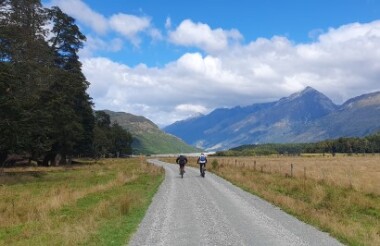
<point>305,116</point>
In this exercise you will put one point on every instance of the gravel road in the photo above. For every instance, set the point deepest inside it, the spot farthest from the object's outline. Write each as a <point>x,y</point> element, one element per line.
<point>212,211</point>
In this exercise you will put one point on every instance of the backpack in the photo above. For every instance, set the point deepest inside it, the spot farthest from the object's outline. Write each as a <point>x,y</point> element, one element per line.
<point>202,159</point>
<point>182,160</point>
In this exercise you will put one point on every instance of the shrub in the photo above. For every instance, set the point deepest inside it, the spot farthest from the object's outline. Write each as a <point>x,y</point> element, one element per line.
<point>214,164</point>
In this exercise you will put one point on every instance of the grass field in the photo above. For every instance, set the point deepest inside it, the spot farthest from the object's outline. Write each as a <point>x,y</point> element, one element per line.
<point>339,195</point>
<point>98,203</point>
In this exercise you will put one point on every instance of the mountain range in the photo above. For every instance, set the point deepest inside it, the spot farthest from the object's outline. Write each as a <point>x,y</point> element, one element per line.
<point>306,116</point>
<point>147,137</point>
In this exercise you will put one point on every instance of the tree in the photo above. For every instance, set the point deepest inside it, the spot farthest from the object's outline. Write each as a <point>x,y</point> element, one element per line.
<point>110,139</point>
<point>121,140</point>
<point>43,90</point>
<point>69,103</point>
<point>25,58</point>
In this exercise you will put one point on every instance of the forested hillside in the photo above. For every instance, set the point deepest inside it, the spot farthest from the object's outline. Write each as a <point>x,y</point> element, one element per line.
<point>147,137</point>
<point>46,113</point>
<point>369,144</point>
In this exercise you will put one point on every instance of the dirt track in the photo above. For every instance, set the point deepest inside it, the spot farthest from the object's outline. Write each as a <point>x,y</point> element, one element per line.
<point>212,211</point>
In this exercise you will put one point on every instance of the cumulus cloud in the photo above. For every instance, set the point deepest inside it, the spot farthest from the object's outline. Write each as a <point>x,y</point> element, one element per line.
<point>83,13</point>
<point>127,26</point>
<point>94,44</point>
<point>341,63</point>
<point>202,36</point>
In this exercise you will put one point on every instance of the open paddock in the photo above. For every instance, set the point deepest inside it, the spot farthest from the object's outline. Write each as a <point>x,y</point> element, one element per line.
<point>361,173</point>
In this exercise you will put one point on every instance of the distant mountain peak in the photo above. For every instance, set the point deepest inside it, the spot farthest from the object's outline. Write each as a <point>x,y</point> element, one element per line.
<point>363,100</point>
<point>305,116</point>
<point>309,88</point>
<point>308,92</point>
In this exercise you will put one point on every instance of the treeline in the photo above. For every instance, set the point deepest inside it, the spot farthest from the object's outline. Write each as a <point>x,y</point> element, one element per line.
<point>369,144</point>
<point>46,113</point>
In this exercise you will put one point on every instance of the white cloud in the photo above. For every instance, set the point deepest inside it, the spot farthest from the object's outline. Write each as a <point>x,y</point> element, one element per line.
<point>191,108</point>
<point>351,32</point>
<point>168,23</point>
<point>342,63</point>
<point>202,36</point>
<point>94,44</point>
<point>129,26</point>
<point>83,13</point>
<point>155,34</point>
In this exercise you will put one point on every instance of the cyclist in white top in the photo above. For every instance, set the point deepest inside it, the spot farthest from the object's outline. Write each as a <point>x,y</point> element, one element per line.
<point>202,160</point>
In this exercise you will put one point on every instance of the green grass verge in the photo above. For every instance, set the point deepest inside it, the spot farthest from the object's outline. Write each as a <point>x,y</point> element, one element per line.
<point>96,204</point>
<point>119,229</point>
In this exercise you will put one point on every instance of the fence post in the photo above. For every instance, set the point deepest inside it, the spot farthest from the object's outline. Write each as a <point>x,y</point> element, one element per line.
<point>304,179</point>
<point>13,207</point>
<point>291,170</point>
<point>254,165</point>
<point>304,173</point>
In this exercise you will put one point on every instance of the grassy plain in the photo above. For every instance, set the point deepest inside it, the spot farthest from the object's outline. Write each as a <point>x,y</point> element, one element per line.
<point>97,203</point>
<point>339,195</point>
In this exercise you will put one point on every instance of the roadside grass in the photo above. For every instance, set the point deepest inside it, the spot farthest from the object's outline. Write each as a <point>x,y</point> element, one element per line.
<point>340,195</point>
<point>99,203</point>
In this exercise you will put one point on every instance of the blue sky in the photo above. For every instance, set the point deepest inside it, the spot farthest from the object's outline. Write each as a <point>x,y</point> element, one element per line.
<point>169,60</point>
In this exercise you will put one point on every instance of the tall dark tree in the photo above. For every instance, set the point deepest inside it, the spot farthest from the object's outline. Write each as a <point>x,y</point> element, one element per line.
<point>121,140</point>
<point>110,139</point>
<point>25,58</point>
<point>74,117</point>
<point>44,104</point>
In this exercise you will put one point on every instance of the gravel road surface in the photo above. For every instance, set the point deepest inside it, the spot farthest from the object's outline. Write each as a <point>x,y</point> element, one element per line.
<point>212,211</point>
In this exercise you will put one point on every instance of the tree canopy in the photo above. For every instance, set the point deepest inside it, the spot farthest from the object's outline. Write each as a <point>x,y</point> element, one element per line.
<point>349,145</point>
<point>46,111</point>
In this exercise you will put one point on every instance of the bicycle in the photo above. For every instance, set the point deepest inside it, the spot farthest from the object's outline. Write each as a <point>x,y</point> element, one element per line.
<point>182,170</point>
<point>181,160</point>
<point>202,160</point>
<point>203,170</point>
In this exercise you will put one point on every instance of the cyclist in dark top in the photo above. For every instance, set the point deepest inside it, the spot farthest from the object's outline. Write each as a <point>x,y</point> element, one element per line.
<point>181,160</point>
<point>202,160</point>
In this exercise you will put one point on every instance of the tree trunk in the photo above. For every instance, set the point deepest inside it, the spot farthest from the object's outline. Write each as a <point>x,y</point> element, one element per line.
<point>3,157</point>
<point>69,159</point>
<point>57,159</point>
<point>49,159</point>
<point>63,159</point>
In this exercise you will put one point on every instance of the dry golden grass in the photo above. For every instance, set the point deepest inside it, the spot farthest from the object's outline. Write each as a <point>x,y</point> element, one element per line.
<point>362,173</point>
<point>54,198</point>
<point>340,195</point>
<point>68,206</point>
